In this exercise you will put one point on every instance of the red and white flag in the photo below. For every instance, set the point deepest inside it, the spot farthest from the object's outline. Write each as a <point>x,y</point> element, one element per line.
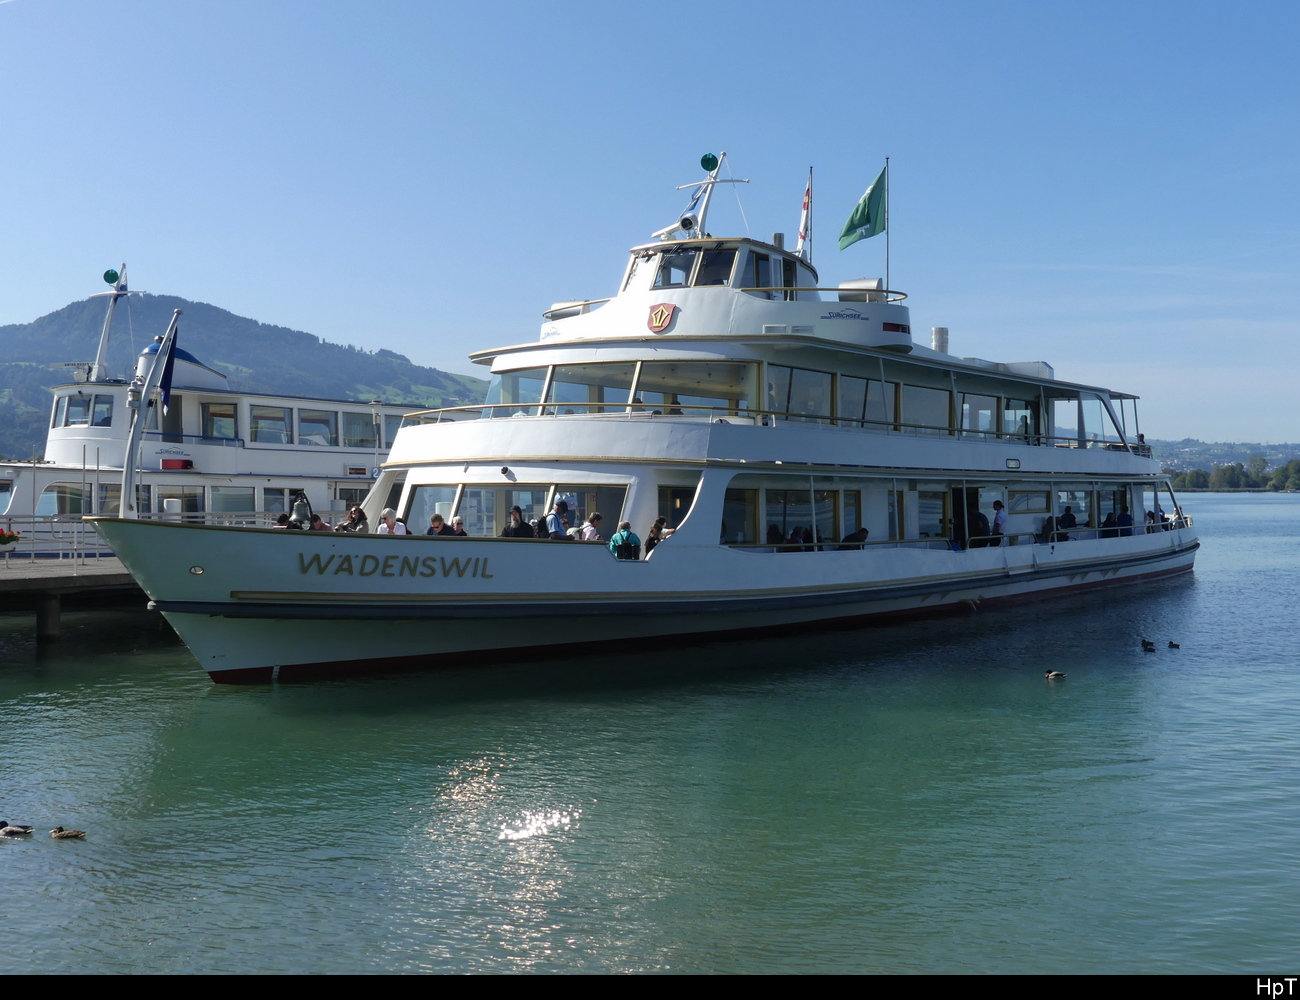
<point>805,219</point>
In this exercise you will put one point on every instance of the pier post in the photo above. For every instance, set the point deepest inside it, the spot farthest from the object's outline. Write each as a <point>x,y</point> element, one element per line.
<point>47,617</point>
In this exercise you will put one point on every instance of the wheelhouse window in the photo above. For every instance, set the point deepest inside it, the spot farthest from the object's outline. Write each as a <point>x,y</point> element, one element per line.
<point>675,268</point>
<point>78,411</point>
<point>319,428</point>
<point>758,271</point>
<point>271,425</point>
<point>219,420</point>
<point>715,267</point>
<point>515,393</point>
<point>359,431</point>
<point>102,415</point>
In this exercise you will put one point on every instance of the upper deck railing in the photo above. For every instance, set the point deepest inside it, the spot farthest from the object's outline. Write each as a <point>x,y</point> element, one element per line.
<point>761,418</point>
<point>846,295</point>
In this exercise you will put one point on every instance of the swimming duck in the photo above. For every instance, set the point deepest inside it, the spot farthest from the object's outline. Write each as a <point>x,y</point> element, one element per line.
<point>1053,675</point>
<point>8,829</point>
<point>1174,645</point>
<point>58,833</point>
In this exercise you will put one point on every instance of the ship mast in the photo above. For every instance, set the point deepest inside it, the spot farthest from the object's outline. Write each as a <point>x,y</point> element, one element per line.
<point>692,219</point>
<point>99,370</point>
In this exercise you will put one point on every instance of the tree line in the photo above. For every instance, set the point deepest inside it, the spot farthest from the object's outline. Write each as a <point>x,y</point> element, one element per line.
<point>1252,475</point>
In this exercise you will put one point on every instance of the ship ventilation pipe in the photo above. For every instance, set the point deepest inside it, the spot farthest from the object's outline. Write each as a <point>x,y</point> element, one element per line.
<point>778,240</point>
<point>939,338</point>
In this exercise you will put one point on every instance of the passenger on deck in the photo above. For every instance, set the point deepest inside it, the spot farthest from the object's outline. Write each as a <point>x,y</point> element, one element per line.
<point>518,527</point>
<point>285,521</point>
<point>999,523</point>
<point>853,540</point>
<point>1049,530</point>
<point>437,526</point>
<point>1110,526</point>
<point>556,525</point>
<point>1067,519</point>
<point>590,532</point>
<point>355,522</point>
<point>458,526</point>
<point>624,544</point>
<point>656,534</point>
<point>389,524</point>
<point>1125,522</point>
<point>978,526</point>
<point>318,525</point>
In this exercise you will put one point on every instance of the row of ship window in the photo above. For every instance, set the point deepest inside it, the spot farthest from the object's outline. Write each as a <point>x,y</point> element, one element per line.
<point>800,394</point>
<point>266,424</point>
<point>757,514</point>
<point>105,498</point>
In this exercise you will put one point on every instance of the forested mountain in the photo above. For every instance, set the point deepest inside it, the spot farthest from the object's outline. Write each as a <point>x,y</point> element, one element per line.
<point>256,356</point>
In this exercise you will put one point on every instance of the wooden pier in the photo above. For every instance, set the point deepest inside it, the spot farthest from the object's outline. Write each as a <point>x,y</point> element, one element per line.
<point>45,582</point>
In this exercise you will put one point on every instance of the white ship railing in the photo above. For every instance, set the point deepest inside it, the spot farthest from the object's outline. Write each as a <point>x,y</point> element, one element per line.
<point>764,418</point>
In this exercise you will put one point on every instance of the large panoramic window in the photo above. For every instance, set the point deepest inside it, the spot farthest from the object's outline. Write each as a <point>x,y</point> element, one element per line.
<point>601,388</point>
<point>318,427</point>
<point>678,387</point>
<point>359,430</point>
<point>979,415</point>
<point>271,424</point>
<point>1065,422</point>
<point>219,420</point>
<point>1018,421</point>
<point>509,388</point>
<point>925,410</point>
<point>799,393</point>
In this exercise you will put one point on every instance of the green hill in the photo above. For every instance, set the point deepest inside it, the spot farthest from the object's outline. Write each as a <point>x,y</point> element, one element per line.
<point>256,356</point>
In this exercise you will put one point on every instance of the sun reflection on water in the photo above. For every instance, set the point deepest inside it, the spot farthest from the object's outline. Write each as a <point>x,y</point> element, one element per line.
<point>532,823</point>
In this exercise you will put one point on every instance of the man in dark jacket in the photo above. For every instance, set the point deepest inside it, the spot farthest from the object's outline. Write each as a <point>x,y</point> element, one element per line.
<point>518,527</point>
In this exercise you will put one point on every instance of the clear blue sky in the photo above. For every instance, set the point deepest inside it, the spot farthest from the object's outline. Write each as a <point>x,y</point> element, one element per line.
<point>1109,187</point>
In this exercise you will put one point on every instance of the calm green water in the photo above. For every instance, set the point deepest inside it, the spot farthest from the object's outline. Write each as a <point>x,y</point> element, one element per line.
<point>910,798</point>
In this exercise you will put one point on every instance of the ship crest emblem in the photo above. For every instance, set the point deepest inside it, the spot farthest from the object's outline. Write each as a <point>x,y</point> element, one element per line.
<point>660,316</point>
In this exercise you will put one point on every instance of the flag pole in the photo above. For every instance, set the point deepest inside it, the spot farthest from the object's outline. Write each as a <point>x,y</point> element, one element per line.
<point>886,223</point>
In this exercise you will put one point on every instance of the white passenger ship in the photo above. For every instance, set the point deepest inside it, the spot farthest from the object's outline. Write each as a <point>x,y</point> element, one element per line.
<point>216,455</point>
<point>766,417</point>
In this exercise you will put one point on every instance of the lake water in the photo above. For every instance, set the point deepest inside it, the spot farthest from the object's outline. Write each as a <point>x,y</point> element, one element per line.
<point>895,799</point>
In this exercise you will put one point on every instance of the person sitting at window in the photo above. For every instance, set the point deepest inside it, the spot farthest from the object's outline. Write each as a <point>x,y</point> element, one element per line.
<point>458,526</point>
<point>437,526</point>
<point>389,524</point>
<point>518,527</point>
<point>285,521</point>
<point>354,523</point>
<point>318,525</point>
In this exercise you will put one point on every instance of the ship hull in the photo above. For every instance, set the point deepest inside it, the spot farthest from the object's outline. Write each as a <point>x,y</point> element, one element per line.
<point>331,605</point>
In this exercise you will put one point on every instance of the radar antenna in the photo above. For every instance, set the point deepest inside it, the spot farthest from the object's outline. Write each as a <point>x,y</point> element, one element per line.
<point>691,221</point>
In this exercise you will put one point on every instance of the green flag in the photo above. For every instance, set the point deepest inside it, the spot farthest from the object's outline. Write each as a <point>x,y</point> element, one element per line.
<point>868,219</point>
